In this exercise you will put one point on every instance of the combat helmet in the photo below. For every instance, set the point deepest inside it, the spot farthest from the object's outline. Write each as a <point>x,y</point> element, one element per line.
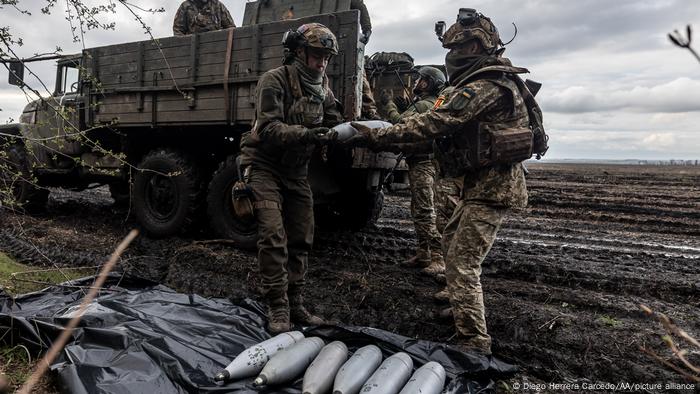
<point>472,25</point>
<point>311,35</point>
<point>436,77</point>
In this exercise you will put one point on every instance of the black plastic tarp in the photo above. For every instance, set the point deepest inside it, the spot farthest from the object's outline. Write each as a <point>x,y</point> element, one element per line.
<point>140,337</point>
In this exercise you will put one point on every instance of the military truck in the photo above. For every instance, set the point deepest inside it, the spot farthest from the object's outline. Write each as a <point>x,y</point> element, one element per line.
<point>160,121</point>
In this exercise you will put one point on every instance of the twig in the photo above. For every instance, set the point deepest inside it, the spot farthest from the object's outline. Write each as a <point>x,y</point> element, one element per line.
<point>669,364</point>
<point>44,363</point>
<point>673,329</point>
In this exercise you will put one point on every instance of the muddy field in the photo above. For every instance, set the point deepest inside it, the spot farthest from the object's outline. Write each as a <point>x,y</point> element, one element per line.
<point>563,283</point>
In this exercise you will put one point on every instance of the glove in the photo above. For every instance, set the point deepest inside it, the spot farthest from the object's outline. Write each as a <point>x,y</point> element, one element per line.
<point>330,136</point>
<point>384,97</point>
<point>401,103</point>
<point>365,36</point>
<point>315,135</point>
<point>362,137</point>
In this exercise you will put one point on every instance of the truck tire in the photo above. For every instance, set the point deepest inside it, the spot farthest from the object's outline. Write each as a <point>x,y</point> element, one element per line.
<point>16,186</point>
<point>220,210</point>
<point>167,193</point>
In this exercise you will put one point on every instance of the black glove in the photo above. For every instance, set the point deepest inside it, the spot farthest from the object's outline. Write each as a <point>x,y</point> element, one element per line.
<point>365,36</point>
<point>361,138</point>
<point>315,135</point>
<point>402,103</point>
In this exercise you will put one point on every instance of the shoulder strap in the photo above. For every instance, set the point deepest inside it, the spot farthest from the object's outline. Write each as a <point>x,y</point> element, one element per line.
<point>294,82</point>
<point>501,68</point>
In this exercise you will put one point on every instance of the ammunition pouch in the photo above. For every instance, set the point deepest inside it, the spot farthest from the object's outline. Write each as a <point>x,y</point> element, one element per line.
<point>242,200</point>
<point>487,146</point>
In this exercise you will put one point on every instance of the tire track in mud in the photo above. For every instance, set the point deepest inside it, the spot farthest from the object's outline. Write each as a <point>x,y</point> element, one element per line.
<point>18,247</point>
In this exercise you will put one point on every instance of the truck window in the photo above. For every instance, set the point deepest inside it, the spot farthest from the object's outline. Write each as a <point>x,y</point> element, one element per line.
<point>69,77</point>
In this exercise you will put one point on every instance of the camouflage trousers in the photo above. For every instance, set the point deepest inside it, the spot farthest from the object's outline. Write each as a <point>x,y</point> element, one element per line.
<point>467,240</point>
<point>421,176</point>
<point>284,212</point>
<point>448,192</point>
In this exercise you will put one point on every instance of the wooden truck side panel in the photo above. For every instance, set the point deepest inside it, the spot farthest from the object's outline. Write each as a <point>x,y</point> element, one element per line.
<point>207,78</point>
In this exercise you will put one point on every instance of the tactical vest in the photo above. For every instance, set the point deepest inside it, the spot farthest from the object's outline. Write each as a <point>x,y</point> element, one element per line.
<point>485,144</point>
<point>299,109</point>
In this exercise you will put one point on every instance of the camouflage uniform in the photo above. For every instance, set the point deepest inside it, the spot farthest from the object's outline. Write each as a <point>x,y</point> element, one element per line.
<point>197,16</point>
<point>492,100</point>
<point>421,176</point>
<point>448,192</point>
<point>278,153</point>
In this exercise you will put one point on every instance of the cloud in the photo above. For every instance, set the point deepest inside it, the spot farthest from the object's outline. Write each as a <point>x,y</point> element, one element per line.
<point>679,95</point>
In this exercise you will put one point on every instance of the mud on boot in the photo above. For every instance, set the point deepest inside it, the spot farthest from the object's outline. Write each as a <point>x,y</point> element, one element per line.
<point>437,265</point>
<point>300,315</point>
<point>420,260</point>
<point>278,317</point>
<point>442,296</point>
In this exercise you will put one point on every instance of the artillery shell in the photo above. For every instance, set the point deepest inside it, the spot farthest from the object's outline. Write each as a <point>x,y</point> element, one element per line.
<point>391,375</point>
<point>355,372</point>
<point>428,379</point>
<point>252,360</point>
<point>318,379</point>
<point>289,363</point>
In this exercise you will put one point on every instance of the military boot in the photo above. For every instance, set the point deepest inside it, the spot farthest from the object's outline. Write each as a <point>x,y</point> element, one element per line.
<point>420,260</point>
<point>299,313</point>
<point>278,316</point>
<point>443,296</point>
<point>437,265</point>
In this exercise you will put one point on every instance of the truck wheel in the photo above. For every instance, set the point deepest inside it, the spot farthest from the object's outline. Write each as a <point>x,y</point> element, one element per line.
<point>16,186</point>
<point>166,193</point>
<point>220,210</point>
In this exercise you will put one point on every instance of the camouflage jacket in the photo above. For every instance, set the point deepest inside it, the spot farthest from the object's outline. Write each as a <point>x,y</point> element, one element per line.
<point>283,114</point>
<point>459,112</point>
<point>415,152</point>
<point>199,16</point>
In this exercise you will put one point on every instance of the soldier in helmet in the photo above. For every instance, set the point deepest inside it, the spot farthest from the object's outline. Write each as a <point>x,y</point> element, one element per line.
<point>294,108</point>
<point>483,107</point>
<point>197,16</point>
<point>421,171</point>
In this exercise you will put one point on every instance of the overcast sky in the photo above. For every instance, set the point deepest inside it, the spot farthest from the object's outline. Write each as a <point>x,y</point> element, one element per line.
<point>614,85</point>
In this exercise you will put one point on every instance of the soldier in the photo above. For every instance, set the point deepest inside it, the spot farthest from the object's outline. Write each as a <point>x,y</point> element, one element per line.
<point>484,101</point>
<point>421,172</point>
<point>197,16</point>
<point>294,108</point>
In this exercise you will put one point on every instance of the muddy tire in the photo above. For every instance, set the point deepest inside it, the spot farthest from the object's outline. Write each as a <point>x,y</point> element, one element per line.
<point>166,193</point>
<point>222,219</point>
<point>16,187</point>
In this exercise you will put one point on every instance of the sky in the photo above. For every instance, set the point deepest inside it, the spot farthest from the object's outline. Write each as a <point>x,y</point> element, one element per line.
<point>614,87</point>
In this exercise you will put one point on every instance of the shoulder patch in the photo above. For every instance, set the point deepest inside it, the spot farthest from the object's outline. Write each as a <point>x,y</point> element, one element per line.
<point>438,102</point>
<point>461,98</point>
